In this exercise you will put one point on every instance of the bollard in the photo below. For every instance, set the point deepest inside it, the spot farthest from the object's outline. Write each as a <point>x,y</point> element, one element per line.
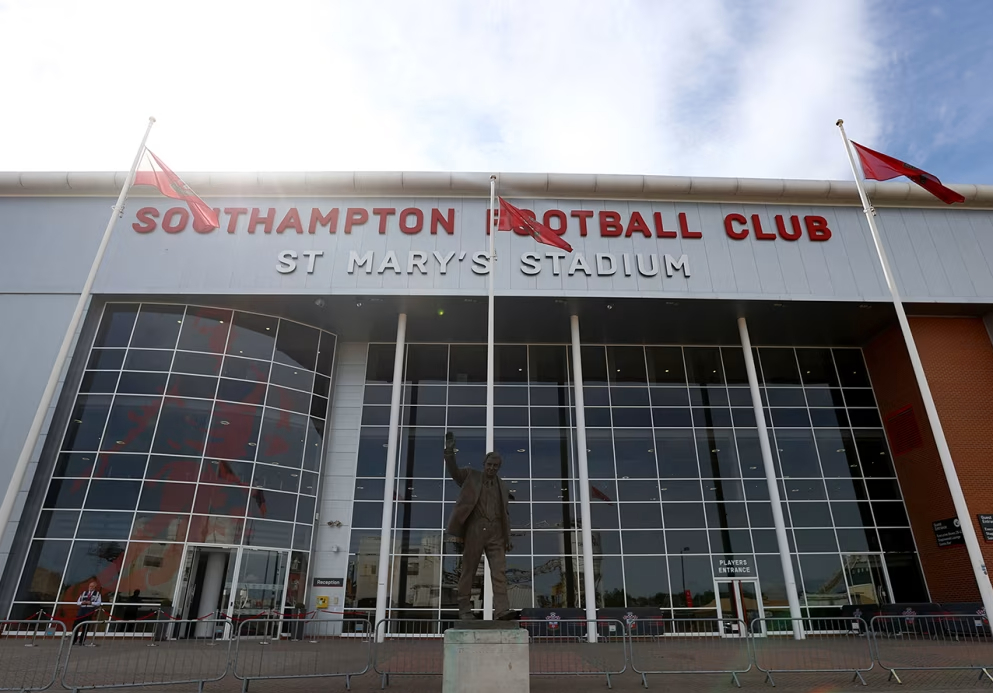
<point>34,633</point>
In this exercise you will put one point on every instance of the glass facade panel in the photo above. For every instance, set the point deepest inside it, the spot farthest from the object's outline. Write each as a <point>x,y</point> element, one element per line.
<point>222,472</point>
<point>677,480</point>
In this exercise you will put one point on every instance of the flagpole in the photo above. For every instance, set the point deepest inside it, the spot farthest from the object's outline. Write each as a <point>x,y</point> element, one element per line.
<point>17,478</point>
<point>490,313</point>
<point>944,454</point>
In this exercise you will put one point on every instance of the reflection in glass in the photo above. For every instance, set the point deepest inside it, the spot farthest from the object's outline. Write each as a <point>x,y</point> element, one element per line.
<point>221,500</point>
<point>467,364</point>
<point>676,453</point>
<point>823,580</point>
<point>282,438</point>
<point>647,581</point>
<point>234,431</point>
<point>166,497</point>
<point>104,525</point>
<point>556,582</point>
<point>92,560</point>
<point>215,530</point>
<point>797,453</point>
<point>297,345</point>
<point>157,326</point>
<point>703,365</point>
<point>160,527</point>
<point>142,383</point>
<point>263,533</point>
<point>205,329</point>
<point>692,581</point>
<point>635,454</point>
<point>116,324</point>
<point>151,569</point>
<point>196,364</point>
<point>41,579</point>
<point>131,423</point>
<point>144,342</point>
<point>548,364</point>
<point>99,381</point>
<point>779,366</point>
<point>86,422</point>
<point>58,524</point>
<point>252,336</point>
<point>112,495</point>
<point>182,427</point>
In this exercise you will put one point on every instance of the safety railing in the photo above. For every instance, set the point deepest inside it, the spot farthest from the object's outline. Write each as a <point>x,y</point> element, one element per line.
<point>688,646</point>
<point>30,653</point>
<point>409,647</point>
<point>562,647</point>
<point>309,648</point>
<point>126,654</point>
<point>911,642</point>
<point>163,651</point>
<point>808,645</point>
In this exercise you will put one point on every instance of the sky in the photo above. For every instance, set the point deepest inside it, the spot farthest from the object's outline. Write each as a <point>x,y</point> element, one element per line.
<point>741,88</point>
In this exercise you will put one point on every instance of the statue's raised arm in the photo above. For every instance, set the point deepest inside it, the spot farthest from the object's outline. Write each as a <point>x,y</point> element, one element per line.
<point>458,475</point>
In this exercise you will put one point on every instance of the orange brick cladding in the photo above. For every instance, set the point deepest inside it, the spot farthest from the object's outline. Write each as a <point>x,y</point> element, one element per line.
<point>958,360</point>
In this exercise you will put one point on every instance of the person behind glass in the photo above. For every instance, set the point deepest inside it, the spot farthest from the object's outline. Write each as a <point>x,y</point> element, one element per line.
<point>481,518</point>
<point>89,601</point>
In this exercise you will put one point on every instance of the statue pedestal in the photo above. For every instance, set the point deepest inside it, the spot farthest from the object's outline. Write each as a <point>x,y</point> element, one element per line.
<point>482,657</point>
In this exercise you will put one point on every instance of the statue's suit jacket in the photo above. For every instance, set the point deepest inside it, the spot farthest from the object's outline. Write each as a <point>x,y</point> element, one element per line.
<point>471,481</point>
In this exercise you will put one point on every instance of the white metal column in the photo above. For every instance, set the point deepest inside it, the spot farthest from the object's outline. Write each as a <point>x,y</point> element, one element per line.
<point>770,478</point>
<point>589,590</point>
<point>490,370</point>
<point>210,592</point>
<point>386,529</point>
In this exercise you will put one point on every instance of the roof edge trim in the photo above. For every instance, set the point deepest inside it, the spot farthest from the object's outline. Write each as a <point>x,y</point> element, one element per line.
<point>527,185</point>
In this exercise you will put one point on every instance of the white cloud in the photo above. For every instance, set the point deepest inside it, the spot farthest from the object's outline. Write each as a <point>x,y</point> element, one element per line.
<point>709,87</point>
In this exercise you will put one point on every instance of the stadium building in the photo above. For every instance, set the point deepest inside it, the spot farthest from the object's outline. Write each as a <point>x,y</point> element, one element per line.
<point>218,442</point>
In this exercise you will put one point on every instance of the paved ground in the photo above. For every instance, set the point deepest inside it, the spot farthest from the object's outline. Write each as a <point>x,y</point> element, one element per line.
<point>132,661</point>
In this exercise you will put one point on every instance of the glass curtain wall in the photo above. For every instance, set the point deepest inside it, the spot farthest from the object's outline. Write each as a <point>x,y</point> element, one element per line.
<point>445,389</point>
<point>192,425</point>
<point>679,484</point>
<point>676,474</point>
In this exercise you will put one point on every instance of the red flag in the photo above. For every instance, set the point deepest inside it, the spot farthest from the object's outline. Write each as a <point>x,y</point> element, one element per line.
<point>513,219</point>
<point>259,496</point>
<point>152,171</point>
<point>597,493</point>
<point>878,166</point>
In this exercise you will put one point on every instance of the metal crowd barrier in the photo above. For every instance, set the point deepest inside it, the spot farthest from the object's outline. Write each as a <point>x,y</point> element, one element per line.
<point>947,642</point>
<point>826,645</point>
<point>30,654</point>
<point>688,646</point>
<point>121,654</point>
<point>562,647</point>
<point>126,654</point>
<point>408,647</point>
<point>310,648</point>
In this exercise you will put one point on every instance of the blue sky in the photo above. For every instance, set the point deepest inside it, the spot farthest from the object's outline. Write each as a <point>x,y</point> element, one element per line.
<point>710,87</point>
<point>936,91</point>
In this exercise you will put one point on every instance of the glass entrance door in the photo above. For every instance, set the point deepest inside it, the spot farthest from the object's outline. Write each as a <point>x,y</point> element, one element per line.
<point>867,579</point>
<point>261,583</point>
<point>205,588</point>
<point>739,602</point>
<point>238,582</point>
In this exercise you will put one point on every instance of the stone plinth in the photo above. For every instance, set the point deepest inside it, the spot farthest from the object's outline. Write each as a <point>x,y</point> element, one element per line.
<point>486,660</point>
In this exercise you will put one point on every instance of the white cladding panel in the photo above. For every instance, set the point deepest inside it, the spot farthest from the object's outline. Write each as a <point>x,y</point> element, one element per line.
<point>34,329</point>
<point>941,255</point>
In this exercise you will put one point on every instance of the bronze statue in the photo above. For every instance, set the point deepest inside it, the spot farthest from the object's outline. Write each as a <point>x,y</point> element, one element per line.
<point>481,518</point>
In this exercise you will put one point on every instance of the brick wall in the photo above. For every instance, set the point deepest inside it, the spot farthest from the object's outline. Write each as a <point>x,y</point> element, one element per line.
<point>958,359</point>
